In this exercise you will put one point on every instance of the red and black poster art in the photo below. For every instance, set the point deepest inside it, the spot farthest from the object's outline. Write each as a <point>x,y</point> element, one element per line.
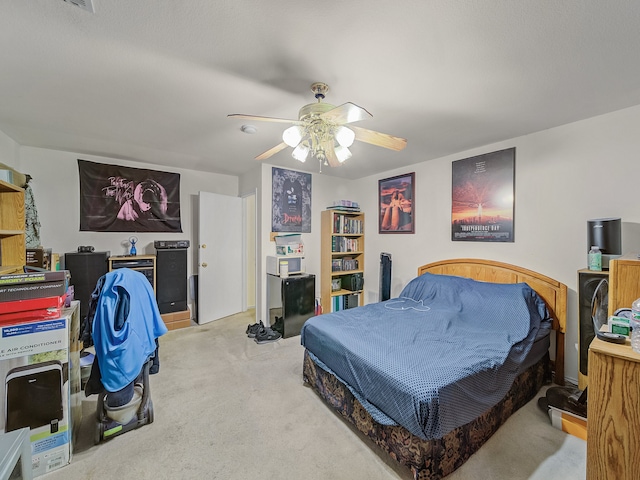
<point>114,198</point>
<point>482,197</point>
<point>291,201</point>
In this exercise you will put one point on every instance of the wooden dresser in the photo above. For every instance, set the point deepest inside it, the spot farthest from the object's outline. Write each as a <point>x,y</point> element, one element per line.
<point>613,429</point>
<point>624,282</point>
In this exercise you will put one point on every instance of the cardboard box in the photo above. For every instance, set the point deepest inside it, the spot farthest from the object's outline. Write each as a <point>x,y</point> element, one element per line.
<point>568,422</point>
<point>39,257</point>
<point>290,244</point>
<point>6,176</point>
<point>27,286</point>
<point>40,389</point>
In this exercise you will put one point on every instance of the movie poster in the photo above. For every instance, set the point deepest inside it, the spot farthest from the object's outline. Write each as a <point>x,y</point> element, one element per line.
<point>291,201</point>
<point>482,197</point>
<point>114,198</point>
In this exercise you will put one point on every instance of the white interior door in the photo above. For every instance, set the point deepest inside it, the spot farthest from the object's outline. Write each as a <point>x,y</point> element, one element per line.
<point>220,256</point>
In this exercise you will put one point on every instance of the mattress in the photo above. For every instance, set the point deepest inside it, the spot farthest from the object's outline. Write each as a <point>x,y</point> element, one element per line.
<point>436,357</point>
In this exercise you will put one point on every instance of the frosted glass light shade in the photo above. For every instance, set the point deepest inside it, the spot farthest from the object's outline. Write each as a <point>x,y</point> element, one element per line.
<point>292,136</point>
<point>301,152</point>
<point>342,153</point>
<point>345,136</point>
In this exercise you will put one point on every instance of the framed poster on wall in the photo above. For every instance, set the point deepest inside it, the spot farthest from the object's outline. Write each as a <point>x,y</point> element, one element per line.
<point>395,201</point>
<point>482,197</point>
<point>291,201</point>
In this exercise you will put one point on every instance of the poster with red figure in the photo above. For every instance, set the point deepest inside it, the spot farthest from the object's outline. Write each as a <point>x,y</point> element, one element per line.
<point>395,198</point>
<point>482,197</point>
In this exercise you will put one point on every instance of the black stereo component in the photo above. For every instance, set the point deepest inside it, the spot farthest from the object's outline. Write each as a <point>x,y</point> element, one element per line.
<point>162,244</point>
<point>85,249</point>
<point>353,282</point>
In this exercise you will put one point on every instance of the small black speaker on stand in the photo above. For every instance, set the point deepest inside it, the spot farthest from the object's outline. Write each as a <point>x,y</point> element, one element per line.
<point>605,233</point>
<point>171,275</point>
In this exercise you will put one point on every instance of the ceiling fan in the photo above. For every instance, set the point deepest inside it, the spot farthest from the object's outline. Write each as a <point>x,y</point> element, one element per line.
<point>320,131</point>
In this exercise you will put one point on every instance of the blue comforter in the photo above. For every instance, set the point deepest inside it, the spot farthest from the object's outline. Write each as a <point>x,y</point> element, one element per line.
<point>433,359</point>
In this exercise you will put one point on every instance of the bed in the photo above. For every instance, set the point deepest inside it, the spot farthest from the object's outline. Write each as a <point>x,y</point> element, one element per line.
<point>431,375</point>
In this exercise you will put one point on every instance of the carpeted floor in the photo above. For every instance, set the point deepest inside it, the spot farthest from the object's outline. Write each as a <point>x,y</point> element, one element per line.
<point>228,408</point>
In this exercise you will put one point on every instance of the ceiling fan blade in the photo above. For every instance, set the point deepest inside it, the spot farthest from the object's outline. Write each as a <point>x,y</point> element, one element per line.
<point>379,139</point>
<point>330,154</point>
<point>263,119</point>
<point>346,113</point>
<point>272,151</point>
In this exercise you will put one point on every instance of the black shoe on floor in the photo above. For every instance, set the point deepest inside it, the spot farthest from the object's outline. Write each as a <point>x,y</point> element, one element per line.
<point>253,329</point>
<point>267,335</point>
<point>278,325</point>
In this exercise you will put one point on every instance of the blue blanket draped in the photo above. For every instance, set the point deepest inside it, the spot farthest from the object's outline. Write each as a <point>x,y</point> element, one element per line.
<point>433,359</point>
<point>124,335</point>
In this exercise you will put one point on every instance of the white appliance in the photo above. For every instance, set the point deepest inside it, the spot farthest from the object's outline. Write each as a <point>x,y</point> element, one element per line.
<point>295,264</point>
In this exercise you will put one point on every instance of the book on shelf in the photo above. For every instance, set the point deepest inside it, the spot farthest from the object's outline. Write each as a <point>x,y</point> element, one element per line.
<point>346,225</point>
<point>344,302</point>
<point>344,264</point>
<point>344,244</point>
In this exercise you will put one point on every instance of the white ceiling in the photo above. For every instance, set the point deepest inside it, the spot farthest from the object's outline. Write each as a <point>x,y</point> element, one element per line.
<point>154,80</point>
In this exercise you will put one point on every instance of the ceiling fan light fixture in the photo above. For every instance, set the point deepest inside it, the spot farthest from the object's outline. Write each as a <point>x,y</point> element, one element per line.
<point>345,136</point>
<point>342,153</point>
<point>301,152</point>
<point>292,136</point>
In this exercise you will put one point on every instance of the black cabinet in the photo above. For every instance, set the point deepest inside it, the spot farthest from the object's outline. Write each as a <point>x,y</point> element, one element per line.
<point>292,299</point>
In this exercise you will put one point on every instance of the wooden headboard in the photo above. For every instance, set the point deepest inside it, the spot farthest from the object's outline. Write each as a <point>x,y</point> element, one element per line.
<point>552,292</point>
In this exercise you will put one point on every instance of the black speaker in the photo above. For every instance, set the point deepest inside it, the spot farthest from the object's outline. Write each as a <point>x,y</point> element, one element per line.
<point>605,233</point>
<point>171,279</point>
<point>85,269</point>
<point>587,283</point>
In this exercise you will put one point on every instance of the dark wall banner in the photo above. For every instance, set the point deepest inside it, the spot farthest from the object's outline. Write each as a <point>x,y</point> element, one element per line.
<point>291,201</point>
<point>482,197</point>
<point>114,198</point>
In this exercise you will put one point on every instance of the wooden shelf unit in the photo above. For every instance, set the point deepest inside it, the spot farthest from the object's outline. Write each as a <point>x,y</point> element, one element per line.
<point>330,234</point>
<point>13,254</point>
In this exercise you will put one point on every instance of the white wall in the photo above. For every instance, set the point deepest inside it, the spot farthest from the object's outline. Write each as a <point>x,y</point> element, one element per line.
<point>9,151</point>
<point>56,188</point>
<point>564,176</point>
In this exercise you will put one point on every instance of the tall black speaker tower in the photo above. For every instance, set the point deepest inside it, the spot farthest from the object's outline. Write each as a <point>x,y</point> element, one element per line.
<point>85,269</point>
<point>171,275</point>
<point>588,281</point>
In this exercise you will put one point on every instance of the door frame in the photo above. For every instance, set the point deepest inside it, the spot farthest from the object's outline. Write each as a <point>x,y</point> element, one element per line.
<point>245,249</point>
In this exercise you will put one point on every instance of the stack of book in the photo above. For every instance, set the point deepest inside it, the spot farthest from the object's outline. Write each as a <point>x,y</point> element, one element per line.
<point>344,264</point>
<point>29,295</point>
<point>344,206</point>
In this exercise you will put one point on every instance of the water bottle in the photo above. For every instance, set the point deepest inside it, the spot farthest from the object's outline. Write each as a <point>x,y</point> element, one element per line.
<point>595,259</point>
<point>634,323</point>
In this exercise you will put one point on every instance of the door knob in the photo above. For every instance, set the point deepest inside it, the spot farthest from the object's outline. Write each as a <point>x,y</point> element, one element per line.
<point>204,264</point>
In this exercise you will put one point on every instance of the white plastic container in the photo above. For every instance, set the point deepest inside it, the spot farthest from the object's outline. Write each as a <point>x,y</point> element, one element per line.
<point>634,323</point>
<point>595,259</point>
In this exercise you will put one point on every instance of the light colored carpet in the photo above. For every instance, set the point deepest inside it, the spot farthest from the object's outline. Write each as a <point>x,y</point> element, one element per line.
<point>228,408</point>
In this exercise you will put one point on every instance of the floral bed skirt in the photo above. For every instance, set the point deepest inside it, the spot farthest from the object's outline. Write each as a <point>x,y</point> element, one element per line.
<point>427,459</point>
